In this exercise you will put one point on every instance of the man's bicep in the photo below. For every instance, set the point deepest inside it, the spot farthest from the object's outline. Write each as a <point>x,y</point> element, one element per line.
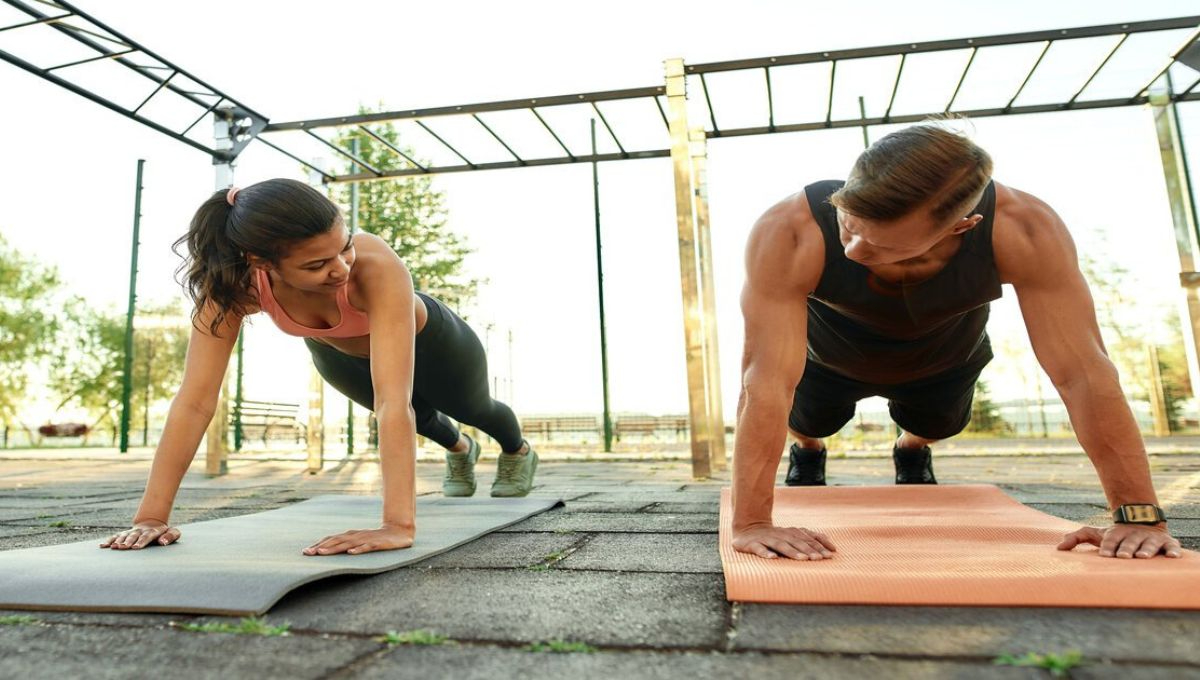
<point>776,341</point>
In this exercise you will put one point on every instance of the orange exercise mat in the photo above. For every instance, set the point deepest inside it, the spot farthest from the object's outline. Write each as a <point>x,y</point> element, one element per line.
<point>964,545</point>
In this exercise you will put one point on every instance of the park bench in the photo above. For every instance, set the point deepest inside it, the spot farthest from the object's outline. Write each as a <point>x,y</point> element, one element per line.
<point>269,420</point>
<point>545,427</point>
<point>650,426</point>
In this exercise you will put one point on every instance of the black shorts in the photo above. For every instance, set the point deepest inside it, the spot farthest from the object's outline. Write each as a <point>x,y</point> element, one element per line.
<point>937,407</point>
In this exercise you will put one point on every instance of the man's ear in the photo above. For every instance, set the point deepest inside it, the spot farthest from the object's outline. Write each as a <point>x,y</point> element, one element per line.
<point>967,224</point>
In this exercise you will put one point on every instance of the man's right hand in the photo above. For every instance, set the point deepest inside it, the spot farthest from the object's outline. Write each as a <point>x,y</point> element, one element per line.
<point>141,535</point>
<point>794,542</point>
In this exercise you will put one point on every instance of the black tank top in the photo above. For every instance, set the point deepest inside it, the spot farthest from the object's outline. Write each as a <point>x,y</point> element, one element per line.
<point>881,333</point>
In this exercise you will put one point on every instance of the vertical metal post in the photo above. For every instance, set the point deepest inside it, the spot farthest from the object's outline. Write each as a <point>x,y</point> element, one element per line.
<point>1158,399</point>
<point>608,426</point>
<point>354,196</point>
<point>216,459</point>
<point>238,396</point>
<point>1183,215</point>
<point>712,362</point>
<point>862,113</point>
<point>685,223</point>
<point>127,373</point>
<point>315,433</point>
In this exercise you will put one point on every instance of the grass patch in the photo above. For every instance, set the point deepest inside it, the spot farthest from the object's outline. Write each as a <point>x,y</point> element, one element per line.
<point>414,637</point>
<point>251,625</point>
<point>564,531</point>
<point>561,647</point>
<point>1057,664</point>
<point>18,620</point>
<point>555,556</point>
<point>60,524</point>
<point>538,567</point>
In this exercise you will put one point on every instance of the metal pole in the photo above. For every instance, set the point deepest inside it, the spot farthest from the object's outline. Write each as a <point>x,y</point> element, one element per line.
<point>238,396</point>
<point>127,373</point>
<point>354,196</point>
<point>1158,399</point>
<point>315,434</point>
<point>216,458</point>
<point>685,223</point>
<point>608,426</point>
<point>862,112</point>
<point>1183,215</point>
<point>712,363</point>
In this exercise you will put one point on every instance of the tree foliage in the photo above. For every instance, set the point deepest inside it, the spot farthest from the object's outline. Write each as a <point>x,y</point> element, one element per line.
<point>29,320</point>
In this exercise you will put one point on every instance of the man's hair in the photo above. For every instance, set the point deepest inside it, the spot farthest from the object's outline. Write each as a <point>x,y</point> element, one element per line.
<point>924,165</point>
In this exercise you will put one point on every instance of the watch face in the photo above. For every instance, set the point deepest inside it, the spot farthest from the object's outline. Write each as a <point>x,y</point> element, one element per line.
<point>1138,514</point>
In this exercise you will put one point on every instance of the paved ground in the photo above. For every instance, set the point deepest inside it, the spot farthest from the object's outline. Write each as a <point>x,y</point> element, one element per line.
<point>629,567</point>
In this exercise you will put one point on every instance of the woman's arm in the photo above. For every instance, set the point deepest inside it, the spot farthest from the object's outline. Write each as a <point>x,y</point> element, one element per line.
<point>189,416</point>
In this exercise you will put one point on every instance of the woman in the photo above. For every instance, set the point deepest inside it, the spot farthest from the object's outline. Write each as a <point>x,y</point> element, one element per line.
<point>281,247</point>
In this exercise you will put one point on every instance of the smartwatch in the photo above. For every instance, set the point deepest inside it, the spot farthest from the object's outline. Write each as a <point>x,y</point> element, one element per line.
<point>1138,513</point>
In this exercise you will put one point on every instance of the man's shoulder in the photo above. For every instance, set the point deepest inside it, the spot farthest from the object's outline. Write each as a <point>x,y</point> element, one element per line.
<point>1027,232</point>
<point>786,242</point>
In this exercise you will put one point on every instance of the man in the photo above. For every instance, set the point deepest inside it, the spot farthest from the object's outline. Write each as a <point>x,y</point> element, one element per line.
<point>880,286</point>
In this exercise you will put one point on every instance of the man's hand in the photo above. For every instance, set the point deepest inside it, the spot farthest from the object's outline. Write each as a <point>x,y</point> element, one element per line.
<point>358,541</point>
<point>1125,541</point>
<point>794,542</point>
<point>141,535</point>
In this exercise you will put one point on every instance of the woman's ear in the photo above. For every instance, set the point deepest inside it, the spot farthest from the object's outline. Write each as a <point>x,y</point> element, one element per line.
<point>257,262</point>
<point>967,224</point>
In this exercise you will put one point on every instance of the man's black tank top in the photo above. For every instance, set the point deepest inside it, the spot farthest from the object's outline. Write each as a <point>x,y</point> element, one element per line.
<point>880,333</point>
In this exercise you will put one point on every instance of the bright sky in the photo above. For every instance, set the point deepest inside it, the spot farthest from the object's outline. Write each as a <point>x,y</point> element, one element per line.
<point>68,178</point>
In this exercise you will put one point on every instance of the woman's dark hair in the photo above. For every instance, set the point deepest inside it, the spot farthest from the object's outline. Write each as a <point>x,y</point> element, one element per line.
<point>266,219</point>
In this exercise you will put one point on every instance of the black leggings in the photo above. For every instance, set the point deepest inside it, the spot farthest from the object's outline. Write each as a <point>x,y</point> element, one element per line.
<point>450,378</point>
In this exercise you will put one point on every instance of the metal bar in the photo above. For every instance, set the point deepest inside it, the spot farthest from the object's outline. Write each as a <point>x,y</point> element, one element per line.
<point>446,144</point>
<point>325,176</point>
<point>485,107</point>
<point>238,395</point>
<point>101,36</point>
<point>1189,88</point>
<point>610,130</point>
<point>393,147</point>
<point>770,99</point>
<point>156,91</point>
<point>895,86</point>
<point>832,82</point>
<point>129,43</point>
<point>1184,221</point>
<point>67,85</point>
<point>698,150</point>
<point>862,111</point>
<point>88,61</point>
<point>712,115</point>
<point>501,165</point>
<point>1096,72</point>
<point>662,113</point>
<point>358,161</point>
<point>551,131</point>
<point>1029,75</point>
<point>608,424</point>
<point>354,210</point>
<point>35,22</point>
<point>1174,55</point>
<point>962,78</point>
<point>493,133</point>
<point>204,115</point>
<point>127,361</point>
<point>954,44</point>
<point>689,285</point>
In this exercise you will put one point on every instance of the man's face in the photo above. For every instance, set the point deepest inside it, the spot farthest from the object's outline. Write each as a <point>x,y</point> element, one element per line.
<point>874,242</point>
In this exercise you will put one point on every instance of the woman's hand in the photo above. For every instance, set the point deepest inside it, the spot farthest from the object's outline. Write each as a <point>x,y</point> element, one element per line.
<point>141,535</point>
<point>358,541</point>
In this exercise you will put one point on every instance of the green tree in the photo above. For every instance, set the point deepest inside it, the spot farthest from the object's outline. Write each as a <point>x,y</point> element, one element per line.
<point>410,215</point>
<point>985,415</point>
<point>29,320</point>
<point>88,369</point>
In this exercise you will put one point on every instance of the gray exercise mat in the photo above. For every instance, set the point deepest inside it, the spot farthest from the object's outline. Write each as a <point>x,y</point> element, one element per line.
<point>240,565</point>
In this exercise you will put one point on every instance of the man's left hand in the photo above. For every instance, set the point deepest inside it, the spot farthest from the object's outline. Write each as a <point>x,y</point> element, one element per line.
<point>1126,541</point>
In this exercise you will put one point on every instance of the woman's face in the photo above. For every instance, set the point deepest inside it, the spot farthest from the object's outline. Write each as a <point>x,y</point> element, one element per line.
<point>320,264</point>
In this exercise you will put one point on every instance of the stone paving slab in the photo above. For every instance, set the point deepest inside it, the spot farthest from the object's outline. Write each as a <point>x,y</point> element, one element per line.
<point>1112,671</point>
<point>611,506</point>
<point>518,605</point>
<point>617,521</point>
<point>489,663</point>
<point>1076,512</point>
<point>45,537</point>
<point>677,553</point>
<point>694,507</point>
<point>1152,636</point>
<point>508,551</point>
<point>120,653</point>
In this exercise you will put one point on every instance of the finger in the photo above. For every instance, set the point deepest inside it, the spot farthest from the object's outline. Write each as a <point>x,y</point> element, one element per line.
<point>1081,536</point>
<point>1130,544</point>
<point>337,545</point>
<point>169,536</point>
<point>755,548</point>
<point>1173,548</point>
<point>1150,546</point>
<point>824,540</point>
<point>108,541</point>
<point>1111,541</point>
<point>797,550</point>
<point>145,539</point>
<point>809,543</point>
<point>364,548</point>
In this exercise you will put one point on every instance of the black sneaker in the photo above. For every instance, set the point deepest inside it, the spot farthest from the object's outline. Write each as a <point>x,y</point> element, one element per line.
<point>806,467</point>
<point>913,466</point>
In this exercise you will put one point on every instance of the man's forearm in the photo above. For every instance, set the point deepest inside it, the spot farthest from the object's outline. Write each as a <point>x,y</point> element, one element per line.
<point>760,438</point>
<point>397,460</point>
<point>1109,434</point>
